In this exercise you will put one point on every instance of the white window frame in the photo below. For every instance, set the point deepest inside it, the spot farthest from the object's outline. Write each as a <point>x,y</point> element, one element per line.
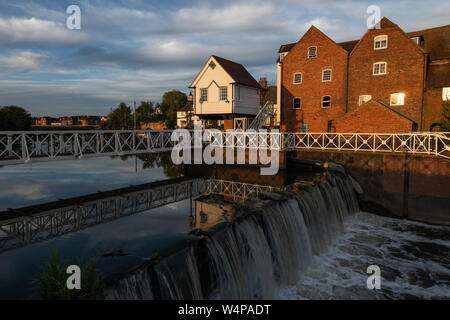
<point>362,100</point>
<point>301,78</point>
<point>402,103</point>
<point>380,39</point>
<point>323,74</point>
<point>315,52</point>
<point>220,93</point>
<point>416,40</point>
<point>446,94</point>
<point>321,102</point>
<point>201,94</point>
<point>293,103</point>
<point>379,69</point>
<point>282,55</point>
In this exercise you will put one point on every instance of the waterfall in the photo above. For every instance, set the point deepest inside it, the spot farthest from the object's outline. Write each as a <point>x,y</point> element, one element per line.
<point>249,257</point>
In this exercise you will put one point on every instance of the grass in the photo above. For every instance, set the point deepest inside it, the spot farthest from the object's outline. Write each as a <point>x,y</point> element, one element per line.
<point>51,283</point>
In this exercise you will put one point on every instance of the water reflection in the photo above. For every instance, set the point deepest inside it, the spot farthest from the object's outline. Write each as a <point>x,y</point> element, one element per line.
<point>28,184</point>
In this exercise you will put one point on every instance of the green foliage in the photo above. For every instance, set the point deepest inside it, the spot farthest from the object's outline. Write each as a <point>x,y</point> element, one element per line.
<point>445,124</point>
<point>51,283</point>
<point>120,118</point>
<point>145,112</point>
<point>14,118</point>
<point>172,101</point>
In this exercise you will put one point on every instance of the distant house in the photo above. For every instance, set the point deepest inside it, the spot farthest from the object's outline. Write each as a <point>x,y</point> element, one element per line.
<point>225,90</point>
<point>185,116</point>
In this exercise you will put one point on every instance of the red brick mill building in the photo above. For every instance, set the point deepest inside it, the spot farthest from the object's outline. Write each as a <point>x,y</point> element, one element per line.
<point>389,81</point>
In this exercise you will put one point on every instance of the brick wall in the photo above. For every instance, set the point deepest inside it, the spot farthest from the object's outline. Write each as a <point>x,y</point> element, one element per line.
<point>432,107</point>
<point>329,56</point>
<point>362,120</point>
<point>405,72</point>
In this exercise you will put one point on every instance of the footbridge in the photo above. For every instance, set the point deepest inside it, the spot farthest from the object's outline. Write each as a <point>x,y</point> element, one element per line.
<point>23,147</point>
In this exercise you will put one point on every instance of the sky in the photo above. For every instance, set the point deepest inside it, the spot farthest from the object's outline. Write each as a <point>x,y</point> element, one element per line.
<point>136,50</point>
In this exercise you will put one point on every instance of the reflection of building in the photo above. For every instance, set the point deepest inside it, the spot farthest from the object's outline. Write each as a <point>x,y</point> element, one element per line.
<point>208,214</point>
<point>225,90</point>
<point>388,81</point>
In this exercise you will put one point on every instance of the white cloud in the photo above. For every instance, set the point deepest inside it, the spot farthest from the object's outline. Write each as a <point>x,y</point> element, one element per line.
<point>22,61</point>
<point>21,31</point>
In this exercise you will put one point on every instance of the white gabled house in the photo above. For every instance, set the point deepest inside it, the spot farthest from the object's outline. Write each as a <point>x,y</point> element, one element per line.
<point>225,90</point>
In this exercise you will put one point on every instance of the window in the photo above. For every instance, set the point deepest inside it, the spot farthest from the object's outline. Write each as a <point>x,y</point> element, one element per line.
<point>326,101</point>
<point>381,42</point>
<point>204,94</point>
<point>416,40</point>
<point>397,99</point>
<point>297,103</point>
<point>312,52</point>
<point>364,98</point>
<point>326,75</point>
<point>304,127</point>
<point>379,68</point>
<point>282,55</point>
<point>446,94</point>
<point>223,93</point>
<point>297,78</point>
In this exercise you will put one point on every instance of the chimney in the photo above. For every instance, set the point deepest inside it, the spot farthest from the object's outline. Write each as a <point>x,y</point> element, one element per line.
<point>263,82</point>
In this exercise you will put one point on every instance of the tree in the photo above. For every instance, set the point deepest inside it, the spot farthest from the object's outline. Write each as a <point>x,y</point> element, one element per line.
<point>144,112</point>
<point>14,118</point>
<point>172,101</point>
<point>445,124</point>
<point>120,118</point>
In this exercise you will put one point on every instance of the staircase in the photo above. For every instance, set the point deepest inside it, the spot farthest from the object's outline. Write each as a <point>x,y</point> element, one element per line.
<point>265,112</point>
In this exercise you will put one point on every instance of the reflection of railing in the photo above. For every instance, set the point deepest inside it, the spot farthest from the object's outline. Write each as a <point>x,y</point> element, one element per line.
<point>236,190</point>
<point>16,147</point>
<point>21,229</point>
<point>25,230</point>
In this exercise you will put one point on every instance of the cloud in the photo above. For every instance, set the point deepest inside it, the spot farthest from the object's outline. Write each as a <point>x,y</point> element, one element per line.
<point>32,31</point>
<point>23,61</point>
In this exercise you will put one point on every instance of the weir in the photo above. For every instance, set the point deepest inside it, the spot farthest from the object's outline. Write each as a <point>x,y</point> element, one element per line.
<point>262,247</point>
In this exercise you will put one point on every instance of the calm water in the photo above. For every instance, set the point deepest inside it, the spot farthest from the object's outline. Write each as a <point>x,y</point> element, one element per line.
<point>413,257</point>
<point>29,184</point>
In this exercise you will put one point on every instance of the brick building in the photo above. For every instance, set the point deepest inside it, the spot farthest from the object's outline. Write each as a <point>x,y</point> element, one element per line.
<point>388,81</point>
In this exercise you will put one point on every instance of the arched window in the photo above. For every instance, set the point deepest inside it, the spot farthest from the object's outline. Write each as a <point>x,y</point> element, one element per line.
<point>380,42</point>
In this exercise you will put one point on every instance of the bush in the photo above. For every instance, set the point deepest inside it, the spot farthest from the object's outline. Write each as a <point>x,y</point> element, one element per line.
<point>51,283</point>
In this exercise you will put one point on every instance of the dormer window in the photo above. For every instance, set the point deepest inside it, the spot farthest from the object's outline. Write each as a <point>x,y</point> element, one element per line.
<point>312,52</point>
<point>381,42</point>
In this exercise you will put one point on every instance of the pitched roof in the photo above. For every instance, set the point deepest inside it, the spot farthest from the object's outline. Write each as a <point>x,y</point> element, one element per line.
<point>436,40</point>
<point>237,72</point>
<point>376,102</point>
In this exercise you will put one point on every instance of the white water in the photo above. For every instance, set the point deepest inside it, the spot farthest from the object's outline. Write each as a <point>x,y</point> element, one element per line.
<point>312,246</point>
<point>414,259</point>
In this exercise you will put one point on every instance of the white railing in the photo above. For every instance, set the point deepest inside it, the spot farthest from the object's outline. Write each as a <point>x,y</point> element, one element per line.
<point>436,144</point>
<point>19,147</point>
<point>266,111</point>
<point>16,147</point>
